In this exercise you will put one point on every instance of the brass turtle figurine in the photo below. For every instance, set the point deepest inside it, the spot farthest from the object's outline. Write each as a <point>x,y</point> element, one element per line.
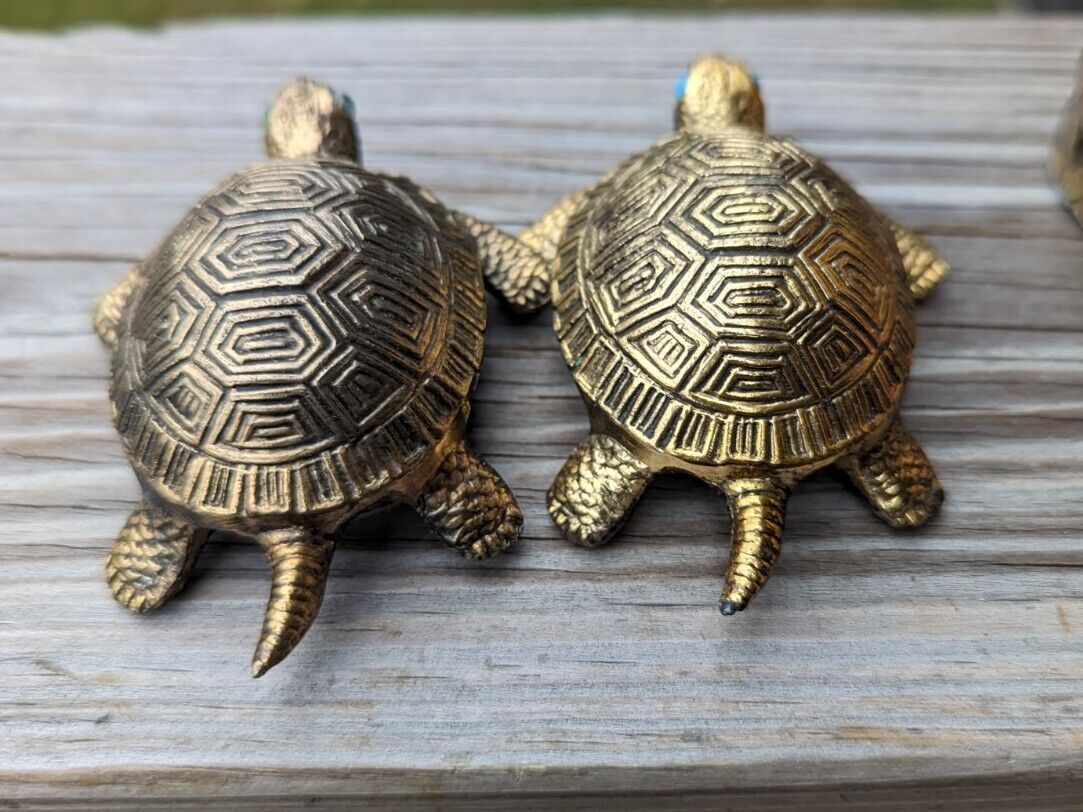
<point>732,309</point>
<point>301,348</point>
<point>1066,158</point>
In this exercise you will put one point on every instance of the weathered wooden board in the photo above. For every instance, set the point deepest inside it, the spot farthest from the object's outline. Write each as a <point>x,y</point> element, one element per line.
<point>877,669</point>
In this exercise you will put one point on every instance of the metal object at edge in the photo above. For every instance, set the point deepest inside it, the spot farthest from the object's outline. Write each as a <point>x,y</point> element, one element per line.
<point>1066,159</point>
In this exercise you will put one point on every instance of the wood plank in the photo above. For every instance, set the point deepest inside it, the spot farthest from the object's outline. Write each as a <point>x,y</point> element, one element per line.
<point>877,670</point>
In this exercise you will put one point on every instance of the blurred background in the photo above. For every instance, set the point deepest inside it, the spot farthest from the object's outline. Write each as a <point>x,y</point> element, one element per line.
<point>51,14</point>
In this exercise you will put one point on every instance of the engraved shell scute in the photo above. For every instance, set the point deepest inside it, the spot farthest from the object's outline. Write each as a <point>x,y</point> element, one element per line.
<point>309,330</point>
<point>729,299</point>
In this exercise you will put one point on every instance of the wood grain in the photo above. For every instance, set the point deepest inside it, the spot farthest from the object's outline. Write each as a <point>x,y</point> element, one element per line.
<point>878,669</point>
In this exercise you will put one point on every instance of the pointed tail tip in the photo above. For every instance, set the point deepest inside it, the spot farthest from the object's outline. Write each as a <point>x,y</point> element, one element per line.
<point>729,607</point>
<point>299,568</point>
<point>260,667</point>
<point>274,647</point>
<point>264,661</point>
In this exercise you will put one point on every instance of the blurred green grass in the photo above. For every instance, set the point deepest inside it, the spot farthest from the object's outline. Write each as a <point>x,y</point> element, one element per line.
<point>49,14</point>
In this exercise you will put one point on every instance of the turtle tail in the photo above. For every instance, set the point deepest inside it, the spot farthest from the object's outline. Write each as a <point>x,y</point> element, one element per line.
<point>299,566</point>
<point>758,508</point>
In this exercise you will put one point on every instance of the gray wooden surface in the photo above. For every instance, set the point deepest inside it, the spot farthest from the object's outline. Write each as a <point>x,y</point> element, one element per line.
<point>877,668</point>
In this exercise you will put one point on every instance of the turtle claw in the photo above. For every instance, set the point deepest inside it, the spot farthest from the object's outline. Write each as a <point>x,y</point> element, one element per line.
<point>492,544</point>
<point>477,551</point>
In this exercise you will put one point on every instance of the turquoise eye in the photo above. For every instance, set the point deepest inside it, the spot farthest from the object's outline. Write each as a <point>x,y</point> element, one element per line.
<point>266,115</point>
<point>755,80</point>
<point>682,83</point>
<point>347,104</point>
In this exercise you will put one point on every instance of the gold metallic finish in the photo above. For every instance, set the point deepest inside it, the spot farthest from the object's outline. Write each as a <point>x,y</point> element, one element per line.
<point>923,268</point>
<point>897,479</point>
<point>596,490</point>
<point>512,267</point>
<point>299,566</point>
<point>758,508</point>
<point>732,309</point>
<point>110,310</point>
<point>1066,160</point>
<point>465,502</point>
<point>299,349</point>
<point>718,94</point>
<point>545,234</point>
<point>152,558</point>
<point>309,120</point>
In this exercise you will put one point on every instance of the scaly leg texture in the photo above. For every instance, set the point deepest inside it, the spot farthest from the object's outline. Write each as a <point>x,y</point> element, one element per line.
<point>516,272</point>
<point>299,562</point>
<point>924,267</point>
<point>758,513</point>
<point>152,558</point>
<point>110,308</point>
<point>595,491</point>
<point>897,479</point>
<point>545,235</point>
<point>470,506</point>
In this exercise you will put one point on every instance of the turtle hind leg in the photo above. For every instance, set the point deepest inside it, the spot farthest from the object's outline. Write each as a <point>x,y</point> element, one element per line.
<point>758,512</point>
<point>152,558</point>
<point>300,561</point>
<point>470,506</point>
<point>514,271</point>
<point>923,266</point>
<point>544,235</point>
<point>110,308</point>
<point>595,491</point>
<point>897,479</point>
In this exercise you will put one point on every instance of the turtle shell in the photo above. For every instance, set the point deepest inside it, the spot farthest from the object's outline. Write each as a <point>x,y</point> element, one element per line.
<point>305,337</point>
<point>729,300</point>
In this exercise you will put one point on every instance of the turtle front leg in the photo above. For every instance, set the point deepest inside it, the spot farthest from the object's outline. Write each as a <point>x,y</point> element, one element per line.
<point>544,235</point>
<point>758,514</point>
<point>152,558</point>
<point>300,561</point>
<point>924,267</point>
<point>469,505</point>
<point>595,491</point>
<point>516,273</point>
<point>110,308</point>
<point>897,479</point>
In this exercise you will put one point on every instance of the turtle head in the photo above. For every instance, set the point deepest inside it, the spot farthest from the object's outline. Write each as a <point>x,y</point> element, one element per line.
<point>308,119</point>
<point>716,93</point>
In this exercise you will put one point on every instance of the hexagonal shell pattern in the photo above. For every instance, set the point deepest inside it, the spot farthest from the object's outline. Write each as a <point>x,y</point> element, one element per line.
<point>304,338</point>
<point>730,300</point>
